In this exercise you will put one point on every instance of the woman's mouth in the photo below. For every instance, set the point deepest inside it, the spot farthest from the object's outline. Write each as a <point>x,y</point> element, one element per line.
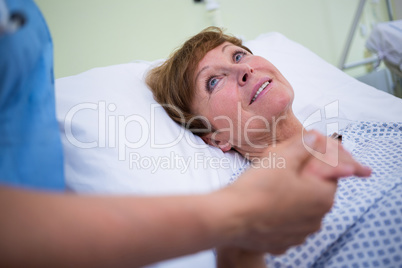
<point>262,87</point>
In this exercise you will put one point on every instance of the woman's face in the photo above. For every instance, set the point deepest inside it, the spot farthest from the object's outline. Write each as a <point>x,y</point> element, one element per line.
<point>241,95</point>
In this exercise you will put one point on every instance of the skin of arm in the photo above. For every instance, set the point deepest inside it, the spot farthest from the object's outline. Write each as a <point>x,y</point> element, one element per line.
<point>52,230</point>
<point>266,210</point>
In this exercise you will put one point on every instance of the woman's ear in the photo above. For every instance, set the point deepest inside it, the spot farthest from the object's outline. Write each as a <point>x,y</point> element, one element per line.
<point>223,145</point>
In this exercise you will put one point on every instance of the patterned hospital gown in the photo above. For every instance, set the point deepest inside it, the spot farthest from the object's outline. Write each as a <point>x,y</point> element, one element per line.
<point>364,227</point>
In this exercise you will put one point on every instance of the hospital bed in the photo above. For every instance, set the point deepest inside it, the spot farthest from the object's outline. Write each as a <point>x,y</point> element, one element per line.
<point>118,140</point>
<point>385,41</point>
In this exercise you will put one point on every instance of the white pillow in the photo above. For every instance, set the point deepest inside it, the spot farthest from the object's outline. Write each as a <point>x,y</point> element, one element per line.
<point>112,111</point>
<point>117,139</point>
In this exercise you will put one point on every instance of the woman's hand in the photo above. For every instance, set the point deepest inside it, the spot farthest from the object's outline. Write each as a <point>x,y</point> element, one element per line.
<point>332,161</point>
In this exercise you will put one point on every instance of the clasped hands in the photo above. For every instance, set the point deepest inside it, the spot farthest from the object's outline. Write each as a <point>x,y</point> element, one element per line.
<point>276,208</point>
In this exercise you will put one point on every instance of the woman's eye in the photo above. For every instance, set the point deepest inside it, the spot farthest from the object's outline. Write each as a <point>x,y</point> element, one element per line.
<point>212,83</point>
<point>238,56</point>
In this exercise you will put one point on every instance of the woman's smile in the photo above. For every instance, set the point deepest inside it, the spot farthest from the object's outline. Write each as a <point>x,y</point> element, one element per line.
<point>259,88</point>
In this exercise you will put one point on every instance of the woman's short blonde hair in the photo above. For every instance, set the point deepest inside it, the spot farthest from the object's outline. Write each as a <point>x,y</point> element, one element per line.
<point>173,84</point>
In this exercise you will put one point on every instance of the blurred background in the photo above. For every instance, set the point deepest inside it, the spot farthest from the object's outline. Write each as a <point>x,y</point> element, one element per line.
<point>95,33</point>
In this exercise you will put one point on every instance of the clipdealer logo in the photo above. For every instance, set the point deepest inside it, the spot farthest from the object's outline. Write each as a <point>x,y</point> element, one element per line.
<point>328,118</point>
<point>200,160</point>
<point>111,132</point>
<point>111,129</point>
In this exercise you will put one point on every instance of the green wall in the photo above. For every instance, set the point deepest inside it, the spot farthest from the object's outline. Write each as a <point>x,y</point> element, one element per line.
<point>94,33</point>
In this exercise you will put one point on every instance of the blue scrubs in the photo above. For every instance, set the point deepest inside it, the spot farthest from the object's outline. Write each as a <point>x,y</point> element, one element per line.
<point>30,147</point>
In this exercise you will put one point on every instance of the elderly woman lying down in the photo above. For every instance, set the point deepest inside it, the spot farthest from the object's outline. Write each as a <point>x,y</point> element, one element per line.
<point>234,100</point>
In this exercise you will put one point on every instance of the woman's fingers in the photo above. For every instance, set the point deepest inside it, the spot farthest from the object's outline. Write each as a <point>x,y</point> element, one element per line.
<point>363,171</point>
<point>345,158</point>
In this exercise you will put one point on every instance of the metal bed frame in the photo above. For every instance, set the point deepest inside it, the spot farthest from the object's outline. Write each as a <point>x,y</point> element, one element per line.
<point>342,64</point>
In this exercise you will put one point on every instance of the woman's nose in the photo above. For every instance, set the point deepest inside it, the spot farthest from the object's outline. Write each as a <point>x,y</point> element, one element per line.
<point>244,78</point>
<point>244,73</point>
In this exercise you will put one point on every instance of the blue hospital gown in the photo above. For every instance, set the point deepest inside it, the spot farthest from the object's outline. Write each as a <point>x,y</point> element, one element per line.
<point>364,227</point>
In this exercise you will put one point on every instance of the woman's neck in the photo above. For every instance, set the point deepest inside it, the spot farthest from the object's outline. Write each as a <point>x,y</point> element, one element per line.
<point>280,131</point>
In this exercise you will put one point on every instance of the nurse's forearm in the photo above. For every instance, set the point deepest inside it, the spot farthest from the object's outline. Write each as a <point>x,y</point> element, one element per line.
<point>48,230</point>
